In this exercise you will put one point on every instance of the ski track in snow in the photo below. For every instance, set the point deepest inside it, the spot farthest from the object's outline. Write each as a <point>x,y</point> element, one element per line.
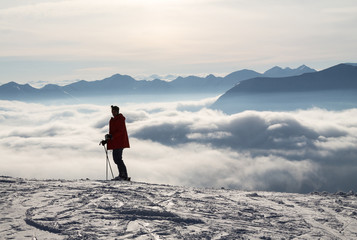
<point>89,209</point>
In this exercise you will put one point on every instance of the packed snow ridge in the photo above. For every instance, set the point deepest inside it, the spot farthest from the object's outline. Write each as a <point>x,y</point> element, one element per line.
<point>96,209</point>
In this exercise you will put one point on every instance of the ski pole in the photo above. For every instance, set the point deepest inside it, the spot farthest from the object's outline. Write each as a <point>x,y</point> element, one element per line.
<point>108,163</point>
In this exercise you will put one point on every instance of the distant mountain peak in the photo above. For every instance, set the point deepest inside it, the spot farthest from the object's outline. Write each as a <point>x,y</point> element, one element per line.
<point>302,66</point>
<point>287,72</point>
<point>275,68</point>
<point>210,76</point>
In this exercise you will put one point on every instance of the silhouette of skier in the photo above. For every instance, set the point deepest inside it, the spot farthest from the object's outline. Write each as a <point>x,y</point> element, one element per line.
<point>117,140</point>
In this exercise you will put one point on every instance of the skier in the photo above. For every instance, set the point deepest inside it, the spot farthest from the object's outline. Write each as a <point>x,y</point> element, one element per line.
<point>117,140</point>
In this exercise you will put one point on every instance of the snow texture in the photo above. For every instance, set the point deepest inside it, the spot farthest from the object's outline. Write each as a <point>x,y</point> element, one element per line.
<point>89,209</point>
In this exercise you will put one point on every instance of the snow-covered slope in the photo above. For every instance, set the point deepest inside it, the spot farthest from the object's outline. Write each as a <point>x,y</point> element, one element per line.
<point>87,209</point>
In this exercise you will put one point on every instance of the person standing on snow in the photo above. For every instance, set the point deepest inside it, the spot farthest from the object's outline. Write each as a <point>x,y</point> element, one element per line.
<point>117,140</point>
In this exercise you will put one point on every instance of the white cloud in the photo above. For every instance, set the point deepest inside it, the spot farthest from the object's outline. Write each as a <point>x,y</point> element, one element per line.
<point>283,151</point>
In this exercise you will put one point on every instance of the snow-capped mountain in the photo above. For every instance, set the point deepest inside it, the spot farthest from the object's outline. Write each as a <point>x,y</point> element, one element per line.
<point>97,209</point>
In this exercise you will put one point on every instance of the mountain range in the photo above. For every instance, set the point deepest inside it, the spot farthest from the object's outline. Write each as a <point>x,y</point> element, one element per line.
<point>123,85</point>
<point>333,88</point>
<point>276,89</point>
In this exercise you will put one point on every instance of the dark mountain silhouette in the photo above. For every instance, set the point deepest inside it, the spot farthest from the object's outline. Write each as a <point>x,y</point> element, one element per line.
<point>235,77</point>
<point>219,84</point>
<point>124,84</point>
<point>341,76</point>
<point>338,83</point>
<point>116,84</point>
<point>14,91</point>
<point>287,72</point>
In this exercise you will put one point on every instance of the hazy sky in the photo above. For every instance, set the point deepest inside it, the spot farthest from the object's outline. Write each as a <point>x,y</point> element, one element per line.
<point>58,40</point>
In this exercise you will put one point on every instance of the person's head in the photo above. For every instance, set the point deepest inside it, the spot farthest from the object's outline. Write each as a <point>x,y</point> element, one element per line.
<point>115,110</point>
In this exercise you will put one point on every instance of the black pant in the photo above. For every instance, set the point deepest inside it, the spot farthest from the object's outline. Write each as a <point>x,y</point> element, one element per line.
<point>118,159</point>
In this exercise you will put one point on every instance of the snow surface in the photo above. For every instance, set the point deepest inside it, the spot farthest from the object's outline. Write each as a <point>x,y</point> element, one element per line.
<point>97,209</point>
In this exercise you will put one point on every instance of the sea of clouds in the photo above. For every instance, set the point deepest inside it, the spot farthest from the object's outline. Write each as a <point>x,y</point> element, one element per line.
<point>185,143</point>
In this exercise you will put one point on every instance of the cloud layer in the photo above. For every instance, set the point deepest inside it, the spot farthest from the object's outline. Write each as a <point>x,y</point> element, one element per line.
<point>185,143</point>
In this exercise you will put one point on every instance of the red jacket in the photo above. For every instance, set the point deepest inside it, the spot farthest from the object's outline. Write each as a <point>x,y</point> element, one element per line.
<point>119,134</point>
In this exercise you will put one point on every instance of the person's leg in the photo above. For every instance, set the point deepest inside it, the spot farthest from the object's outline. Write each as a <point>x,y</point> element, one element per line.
<point>118,159</point>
